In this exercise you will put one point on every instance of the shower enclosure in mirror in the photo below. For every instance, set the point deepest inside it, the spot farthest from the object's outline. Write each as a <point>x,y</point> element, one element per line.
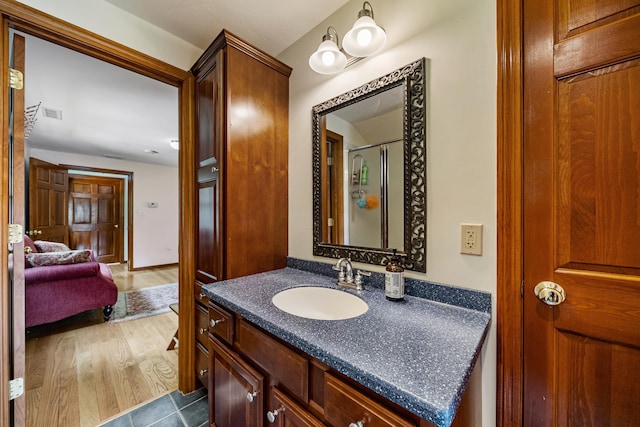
<point>369,171</point>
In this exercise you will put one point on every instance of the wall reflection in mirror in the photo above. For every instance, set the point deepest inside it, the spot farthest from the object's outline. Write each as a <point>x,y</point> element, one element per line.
<point>368,135</point>
<point>369,169</point>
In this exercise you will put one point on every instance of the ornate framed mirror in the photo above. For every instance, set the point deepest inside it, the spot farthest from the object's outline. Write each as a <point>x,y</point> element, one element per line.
<point>369,171</point>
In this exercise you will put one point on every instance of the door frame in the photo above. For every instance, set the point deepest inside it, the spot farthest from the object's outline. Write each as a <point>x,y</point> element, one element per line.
<point>130,210</point>
<point>509,310</point>
<point>32,21</point>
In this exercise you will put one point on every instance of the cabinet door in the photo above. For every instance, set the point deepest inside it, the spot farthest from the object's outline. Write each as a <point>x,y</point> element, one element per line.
<point>289,414</point>
<point>209,135</point>
<point>235,389</point>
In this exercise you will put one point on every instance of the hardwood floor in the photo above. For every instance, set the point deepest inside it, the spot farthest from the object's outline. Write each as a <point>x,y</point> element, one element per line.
<point>81,371</point>
<point>133,280</point>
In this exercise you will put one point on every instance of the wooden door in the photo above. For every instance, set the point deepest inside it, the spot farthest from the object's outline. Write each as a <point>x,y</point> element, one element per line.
<point>209,241</point>
<point>48,196</point>
<point>235,389</point>
<point>96,216</point>
<point>17,216</point>
<point>582,212</point>
<point>331,155</point>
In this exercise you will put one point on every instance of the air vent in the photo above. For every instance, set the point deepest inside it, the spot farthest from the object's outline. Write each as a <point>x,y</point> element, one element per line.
<point>113,156</point>
<point>52,114</point>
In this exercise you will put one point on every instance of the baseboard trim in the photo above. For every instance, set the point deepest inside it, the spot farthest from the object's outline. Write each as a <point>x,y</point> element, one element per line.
<point>153,267</point>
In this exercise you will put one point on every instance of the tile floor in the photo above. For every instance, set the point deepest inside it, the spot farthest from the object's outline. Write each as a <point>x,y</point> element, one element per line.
<point>171,410</point>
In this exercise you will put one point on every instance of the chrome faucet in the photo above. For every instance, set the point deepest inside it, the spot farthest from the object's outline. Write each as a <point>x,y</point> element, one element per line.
<point>344,278</point>
<point>345,275</point>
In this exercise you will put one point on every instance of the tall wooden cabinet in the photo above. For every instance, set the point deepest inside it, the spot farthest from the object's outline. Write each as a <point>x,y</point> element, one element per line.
<point>242,98</point>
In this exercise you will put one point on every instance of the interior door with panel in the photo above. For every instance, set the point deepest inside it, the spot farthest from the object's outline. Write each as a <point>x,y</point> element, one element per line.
<point>96,216</point>
<point>48,197</point>
<point>581,213</point>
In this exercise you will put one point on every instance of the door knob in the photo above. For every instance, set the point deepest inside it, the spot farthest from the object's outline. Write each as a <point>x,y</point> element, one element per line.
<point>115,225</point>
<point>271,415</point>
<point>251,396</point>
<point>550,293</point>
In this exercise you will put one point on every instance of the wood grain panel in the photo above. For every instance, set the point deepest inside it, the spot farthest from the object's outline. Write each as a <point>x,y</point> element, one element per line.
<point>343,403</point>
<point>599,215</point>
<point>202,325</point>
<point>207,262</point>
<point>285,366</point>
<point>290,414</point>
<point>232,378</point>
<point>257,111</point>
<point>224,322</point>
<point>574,14</point>
<point>611,43</point>
<point>596,385</point>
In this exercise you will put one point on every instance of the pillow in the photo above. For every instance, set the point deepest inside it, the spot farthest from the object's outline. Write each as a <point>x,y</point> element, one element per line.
<point>58,258</point>
<point>44,246</point>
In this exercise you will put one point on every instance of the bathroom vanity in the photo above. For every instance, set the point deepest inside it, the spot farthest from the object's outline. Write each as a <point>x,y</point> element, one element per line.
<point>398,364</point>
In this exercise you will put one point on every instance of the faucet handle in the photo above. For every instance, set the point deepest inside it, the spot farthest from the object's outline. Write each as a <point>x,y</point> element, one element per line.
<point>359,281</point>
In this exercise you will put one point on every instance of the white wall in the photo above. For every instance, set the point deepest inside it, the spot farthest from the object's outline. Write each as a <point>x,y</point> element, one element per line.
<point>114,23</point>
<point>459,38</point>
<point>155,230</point>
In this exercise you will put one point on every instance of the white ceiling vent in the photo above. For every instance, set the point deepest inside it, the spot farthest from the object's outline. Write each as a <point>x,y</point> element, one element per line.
<point>52,114</point>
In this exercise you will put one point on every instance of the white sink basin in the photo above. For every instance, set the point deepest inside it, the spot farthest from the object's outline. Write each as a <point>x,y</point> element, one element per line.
<point>313,302</point>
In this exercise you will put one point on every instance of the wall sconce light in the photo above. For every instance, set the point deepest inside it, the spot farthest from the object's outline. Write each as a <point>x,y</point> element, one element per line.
<point>364,39</point>
<point>328,59</point>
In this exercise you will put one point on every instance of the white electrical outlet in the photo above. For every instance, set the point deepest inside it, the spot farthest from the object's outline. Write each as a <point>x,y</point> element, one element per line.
<point>471,239</point>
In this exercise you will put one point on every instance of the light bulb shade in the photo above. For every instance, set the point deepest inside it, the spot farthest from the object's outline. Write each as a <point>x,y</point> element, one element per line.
<point>365,38</point>
<point>327,59</point>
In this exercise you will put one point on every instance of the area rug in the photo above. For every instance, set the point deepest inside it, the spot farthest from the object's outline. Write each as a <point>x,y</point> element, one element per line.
<point>145,302</point>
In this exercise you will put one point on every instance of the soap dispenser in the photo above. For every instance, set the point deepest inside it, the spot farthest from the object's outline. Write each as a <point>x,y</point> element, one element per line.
<point>394,279</point>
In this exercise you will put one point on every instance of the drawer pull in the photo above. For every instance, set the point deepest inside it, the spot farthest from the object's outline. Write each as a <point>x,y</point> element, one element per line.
<point>203,372</point>
<point>357,424</point>
<point>203,331</point>
<point>271,415</point>
<point>201,295</point>
<point>251,396</point>
<point>214,322</point>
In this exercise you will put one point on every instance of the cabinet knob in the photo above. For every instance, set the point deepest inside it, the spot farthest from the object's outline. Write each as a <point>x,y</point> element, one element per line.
<point>214,169</point>
<point>201,295</point>
<point>203,331</point>
<point>357,424</point>
<point>271,415</point>
<point>251,396</point>
<point>214,322</point>
<point>203,372</point>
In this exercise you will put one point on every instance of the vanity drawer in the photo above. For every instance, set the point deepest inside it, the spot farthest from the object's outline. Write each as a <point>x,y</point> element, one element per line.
<point>202,324</point>
<point>344,405</point>
<point>221,323</point>
<point>201,298</point>
<point>285,366</point>
<point>202,364</point>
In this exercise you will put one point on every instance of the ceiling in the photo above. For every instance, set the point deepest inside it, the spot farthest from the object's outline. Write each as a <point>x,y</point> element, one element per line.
<point>112,112</point>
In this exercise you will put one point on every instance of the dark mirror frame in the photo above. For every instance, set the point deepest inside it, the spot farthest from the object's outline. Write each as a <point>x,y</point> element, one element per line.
<point>412,77</point>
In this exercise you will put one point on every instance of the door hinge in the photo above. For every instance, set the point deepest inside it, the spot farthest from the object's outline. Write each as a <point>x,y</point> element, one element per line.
<point>15,233</point>
<point>330,222</point>
<point>522,289</point>
<point>16,79</point>
<point>16,388</point>
<point>329,161</point>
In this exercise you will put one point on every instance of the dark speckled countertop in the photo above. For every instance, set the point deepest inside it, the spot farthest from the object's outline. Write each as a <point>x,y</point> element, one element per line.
<point>417,353</point>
